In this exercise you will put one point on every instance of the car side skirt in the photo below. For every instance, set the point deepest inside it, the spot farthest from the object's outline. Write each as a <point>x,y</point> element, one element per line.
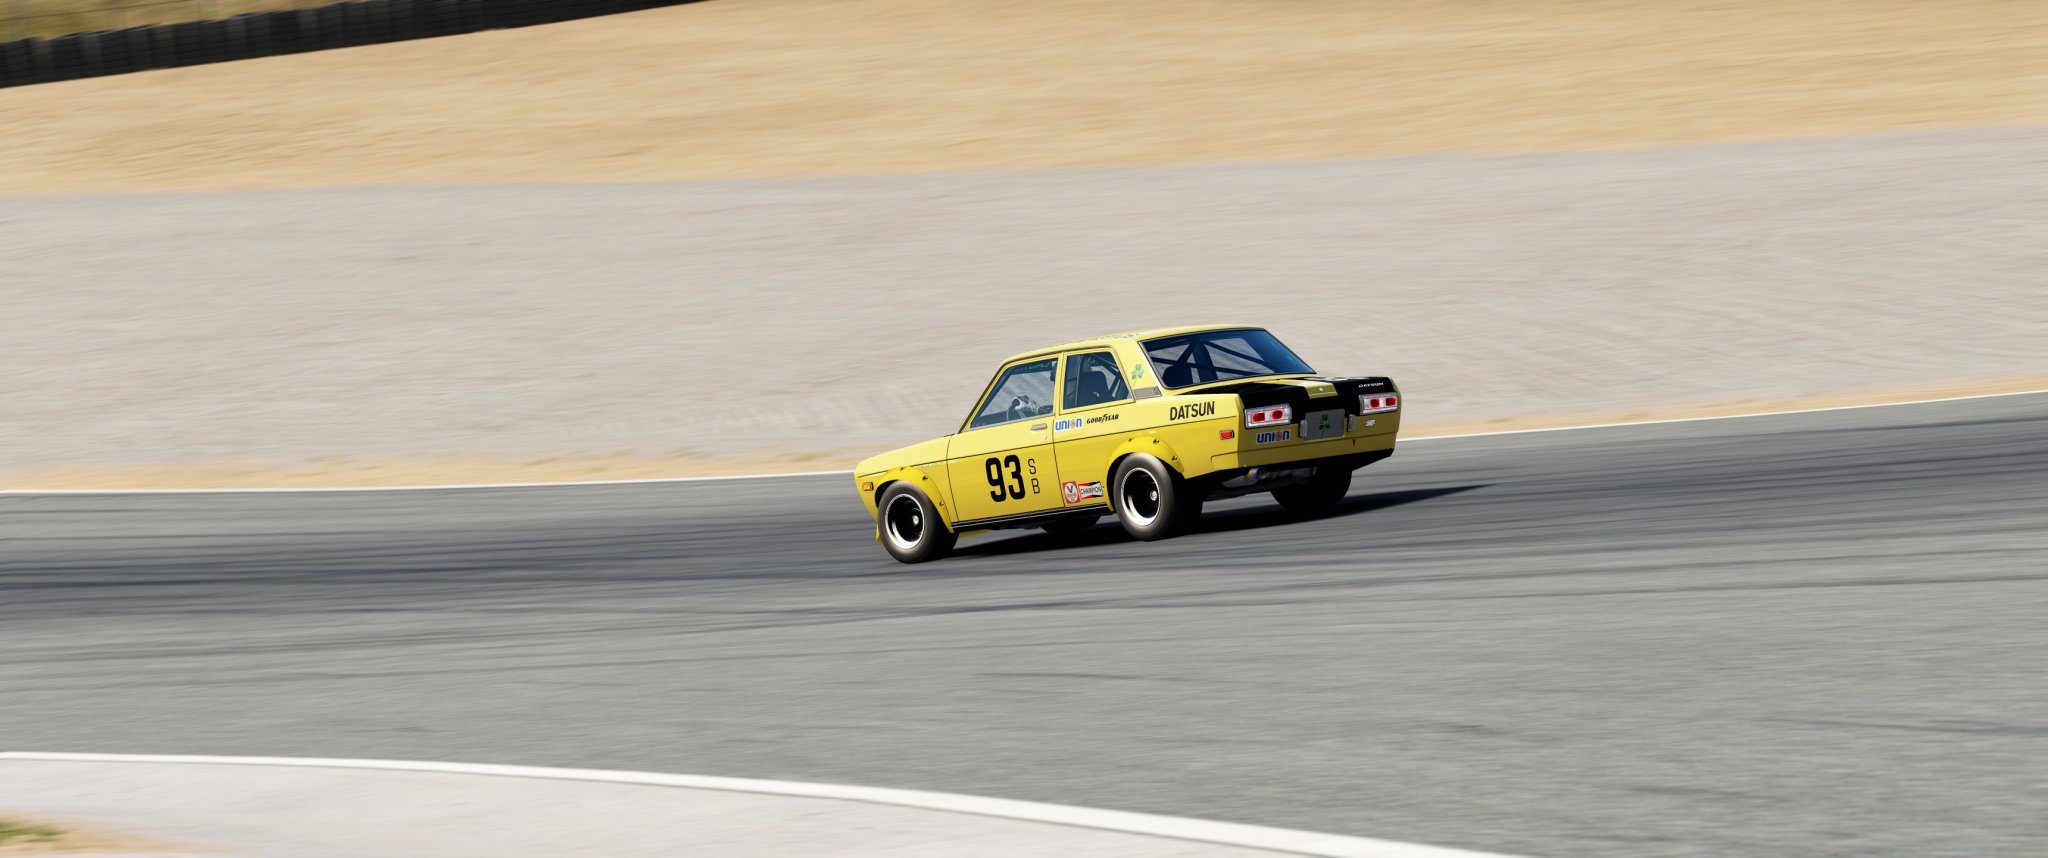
<point>1032,519</point>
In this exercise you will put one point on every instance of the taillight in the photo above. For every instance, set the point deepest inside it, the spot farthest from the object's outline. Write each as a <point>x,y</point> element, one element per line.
<point>1376,403</point>
<point>1270,415</point>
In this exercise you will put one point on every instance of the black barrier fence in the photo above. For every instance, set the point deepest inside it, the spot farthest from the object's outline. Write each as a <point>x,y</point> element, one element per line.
<point>266,34</point>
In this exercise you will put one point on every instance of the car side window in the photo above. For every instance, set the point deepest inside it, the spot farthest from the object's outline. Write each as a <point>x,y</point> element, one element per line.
<point>1093,379</point>
<point>1020,392</point>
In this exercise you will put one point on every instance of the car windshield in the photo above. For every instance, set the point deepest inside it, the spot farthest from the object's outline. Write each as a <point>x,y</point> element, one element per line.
<point>1199,358</point>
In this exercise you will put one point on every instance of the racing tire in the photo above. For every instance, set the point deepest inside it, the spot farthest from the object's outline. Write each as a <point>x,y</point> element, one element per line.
<point>1152,502</point>
<point>911,529</point>
<point>1068,526</point>
<point>1323,490</point>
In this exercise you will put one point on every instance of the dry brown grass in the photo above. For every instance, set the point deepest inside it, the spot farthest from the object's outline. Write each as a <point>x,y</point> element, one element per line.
<point>20,19</point>
<point>33,835</point>
<point>782,87</point>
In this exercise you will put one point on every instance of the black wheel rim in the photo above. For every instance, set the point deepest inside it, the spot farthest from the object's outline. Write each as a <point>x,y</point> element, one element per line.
<point>1140,497</point>
<point>906,521</point>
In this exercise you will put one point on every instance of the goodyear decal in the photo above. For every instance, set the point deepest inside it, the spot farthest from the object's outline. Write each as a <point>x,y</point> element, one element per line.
<point>1191,411</point>
<point>1271,437</point>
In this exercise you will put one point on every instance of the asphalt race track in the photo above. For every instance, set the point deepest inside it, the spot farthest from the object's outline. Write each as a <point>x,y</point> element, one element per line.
<point>1818,634</point>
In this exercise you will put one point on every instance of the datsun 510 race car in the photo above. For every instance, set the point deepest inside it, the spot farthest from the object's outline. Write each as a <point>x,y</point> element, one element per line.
<point>1145,426</point>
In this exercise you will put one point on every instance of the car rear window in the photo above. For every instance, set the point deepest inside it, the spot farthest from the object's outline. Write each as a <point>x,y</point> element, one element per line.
<point>1200,358</point>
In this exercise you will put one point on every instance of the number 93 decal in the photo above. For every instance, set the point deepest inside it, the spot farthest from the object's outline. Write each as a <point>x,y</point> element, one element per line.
<point>1011,485</point>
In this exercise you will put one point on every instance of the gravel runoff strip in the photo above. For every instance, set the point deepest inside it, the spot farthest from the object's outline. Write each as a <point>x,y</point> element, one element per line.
<point>842,472</point>
<point>823,318</point>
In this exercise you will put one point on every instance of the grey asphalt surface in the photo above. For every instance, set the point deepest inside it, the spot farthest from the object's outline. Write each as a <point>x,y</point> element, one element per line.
<point>1819,634</point>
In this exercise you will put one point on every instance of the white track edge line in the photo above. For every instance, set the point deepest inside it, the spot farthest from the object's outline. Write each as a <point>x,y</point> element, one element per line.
<point>1622,423</point>
<point>658,480</point>
<point>423,488</point>
<point>1173,827</point>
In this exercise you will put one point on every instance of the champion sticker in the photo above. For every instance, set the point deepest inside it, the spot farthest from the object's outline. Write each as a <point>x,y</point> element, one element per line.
<point>1078,492</point>
<point>1271,437</point>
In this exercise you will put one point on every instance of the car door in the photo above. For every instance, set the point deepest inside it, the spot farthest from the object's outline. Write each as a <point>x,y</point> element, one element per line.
<point>1091,423</point>
<point>1001,463</point>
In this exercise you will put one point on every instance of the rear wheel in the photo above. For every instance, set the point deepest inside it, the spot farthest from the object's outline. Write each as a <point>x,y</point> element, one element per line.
<point>1151,500</point>
<point>911,529</point>
<point>1324,489</point>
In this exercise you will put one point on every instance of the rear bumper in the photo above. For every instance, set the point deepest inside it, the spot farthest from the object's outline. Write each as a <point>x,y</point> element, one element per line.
<point>1306,452</point>
<point>1265,478</point>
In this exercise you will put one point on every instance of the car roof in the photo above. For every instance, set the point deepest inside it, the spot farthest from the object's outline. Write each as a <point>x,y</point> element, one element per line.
<point>1106,340</point>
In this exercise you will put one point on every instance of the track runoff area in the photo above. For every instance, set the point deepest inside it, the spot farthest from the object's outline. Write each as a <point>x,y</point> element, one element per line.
<point>1814,633</point>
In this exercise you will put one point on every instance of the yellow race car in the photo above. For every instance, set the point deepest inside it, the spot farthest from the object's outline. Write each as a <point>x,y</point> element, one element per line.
<point>1145,426</point>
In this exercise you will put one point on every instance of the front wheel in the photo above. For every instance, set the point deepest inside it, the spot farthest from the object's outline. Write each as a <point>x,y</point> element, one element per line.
<point>911,529</point>
<point>1323,489</point>
<point>1151,500</point>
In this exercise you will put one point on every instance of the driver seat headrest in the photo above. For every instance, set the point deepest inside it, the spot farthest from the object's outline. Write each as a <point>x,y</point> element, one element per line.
<point>1094,388</point>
